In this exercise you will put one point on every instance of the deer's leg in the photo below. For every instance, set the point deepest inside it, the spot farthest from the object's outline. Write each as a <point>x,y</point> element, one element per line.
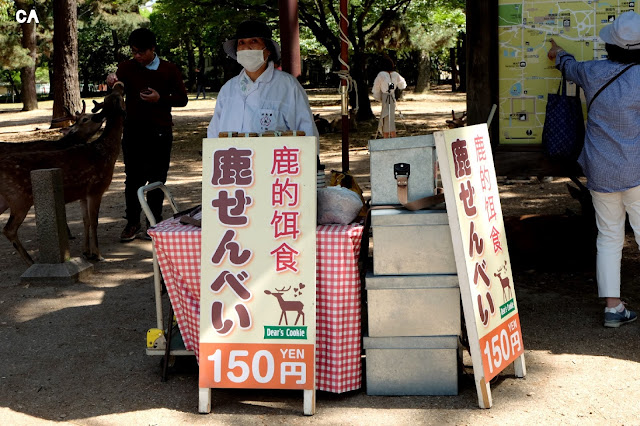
<point>11,232</point>
<point>85,222</point>
<point>3,205</point>
<point>94,213</point>
<point>92,208</point>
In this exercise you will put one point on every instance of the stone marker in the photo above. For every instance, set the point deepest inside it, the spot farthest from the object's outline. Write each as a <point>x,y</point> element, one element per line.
<point>54,263</point>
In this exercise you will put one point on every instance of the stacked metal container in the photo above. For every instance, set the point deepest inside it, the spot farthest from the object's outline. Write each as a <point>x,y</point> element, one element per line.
<point>413,295</point>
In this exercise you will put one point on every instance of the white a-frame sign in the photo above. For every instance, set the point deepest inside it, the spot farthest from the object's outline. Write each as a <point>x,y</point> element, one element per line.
<point>482,257</point>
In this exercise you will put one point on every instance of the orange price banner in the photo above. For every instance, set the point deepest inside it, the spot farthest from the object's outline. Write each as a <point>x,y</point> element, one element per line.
<point>266,366</point>
<point>501,347</point>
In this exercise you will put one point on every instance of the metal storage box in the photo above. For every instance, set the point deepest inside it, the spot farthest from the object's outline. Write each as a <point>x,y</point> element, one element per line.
<point>413,305</point>
<point>411,242</point>
<point>412,365</point>
<point>417,151</point>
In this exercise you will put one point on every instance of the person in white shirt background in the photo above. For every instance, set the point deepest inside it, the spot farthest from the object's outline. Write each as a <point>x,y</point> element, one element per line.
<point>261,98</point>
<point>383,90</point>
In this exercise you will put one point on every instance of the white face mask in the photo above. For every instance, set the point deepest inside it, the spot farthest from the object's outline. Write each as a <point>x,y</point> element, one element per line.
<point>251,60</point>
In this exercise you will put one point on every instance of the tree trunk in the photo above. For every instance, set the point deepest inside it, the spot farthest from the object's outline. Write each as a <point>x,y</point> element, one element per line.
<point>424,72</point>
<point>66,88</point>
<point>86,91</point>
<point>117,52</point>
<point>462,62</point>
<point>358,72</point>
<point>28,74</point>
<point>201,57</point>
<point>191,63</point>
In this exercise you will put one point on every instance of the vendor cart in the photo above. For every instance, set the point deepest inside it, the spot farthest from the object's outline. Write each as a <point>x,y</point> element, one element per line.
<point>168,331</point>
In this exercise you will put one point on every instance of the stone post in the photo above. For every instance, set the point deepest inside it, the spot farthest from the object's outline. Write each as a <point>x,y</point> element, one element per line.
<point>54,265</point>
<point>51,217</point>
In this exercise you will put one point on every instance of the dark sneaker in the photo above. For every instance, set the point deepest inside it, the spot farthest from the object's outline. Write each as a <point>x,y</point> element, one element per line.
<point>616,319</point>
<point>145,235</point>
<point>129,232</point>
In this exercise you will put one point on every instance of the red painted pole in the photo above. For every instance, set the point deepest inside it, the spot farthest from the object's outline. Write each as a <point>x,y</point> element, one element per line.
<point>344,94</point>
<point>290,37</point>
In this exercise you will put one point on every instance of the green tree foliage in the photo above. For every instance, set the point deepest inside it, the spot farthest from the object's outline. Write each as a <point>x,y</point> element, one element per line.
<point>96,56</point>
<point>190,31</point>
<point>12,55</point>
<point>103,30</point>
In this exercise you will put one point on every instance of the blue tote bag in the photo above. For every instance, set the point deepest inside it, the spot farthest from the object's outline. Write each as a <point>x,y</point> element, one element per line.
<point>563,131</point>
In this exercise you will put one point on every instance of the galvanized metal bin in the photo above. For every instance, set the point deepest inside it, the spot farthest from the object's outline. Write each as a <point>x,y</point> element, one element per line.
<point>411,242</point>
<point>413,305</point>
<point>412,365</point>
<point>418,152</point>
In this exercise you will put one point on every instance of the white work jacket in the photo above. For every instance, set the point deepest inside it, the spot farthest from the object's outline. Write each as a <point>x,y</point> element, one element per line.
<point>275,101</point>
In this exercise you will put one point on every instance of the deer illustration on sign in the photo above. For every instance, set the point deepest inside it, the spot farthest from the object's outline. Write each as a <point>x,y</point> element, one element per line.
<point>288,305</point>
<point>504,282</point>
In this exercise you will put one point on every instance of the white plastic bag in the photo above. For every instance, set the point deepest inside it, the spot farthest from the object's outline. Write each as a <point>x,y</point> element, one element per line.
<point>337,205</point>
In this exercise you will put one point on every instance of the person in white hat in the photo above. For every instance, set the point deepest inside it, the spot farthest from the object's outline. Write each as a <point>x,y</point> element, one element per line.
<point>610,159</point>
<point>384,85</point>
<point>261,98</point>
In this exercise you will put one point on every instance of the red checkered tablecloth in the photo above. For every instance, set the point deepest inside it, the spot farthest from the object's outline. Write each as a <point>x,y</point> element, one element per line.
<point>338,363</point>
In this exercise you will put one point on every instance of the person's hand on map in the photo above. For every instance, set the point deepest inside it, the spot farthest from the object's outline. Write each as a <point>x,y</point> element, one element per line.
<point>554,50</point>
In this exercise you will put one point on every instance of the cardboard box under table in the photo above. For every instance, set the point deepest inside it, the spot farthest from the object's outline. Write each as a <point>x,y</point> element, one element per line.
<point>413,305</point>
<point>412,365</point>
<point>411,242</point>
<point>418,152</point>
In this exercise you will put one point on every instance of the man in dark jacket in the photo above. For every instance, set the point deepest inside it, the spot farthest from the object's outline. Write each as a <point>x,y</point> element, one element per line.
<point>152,87</point>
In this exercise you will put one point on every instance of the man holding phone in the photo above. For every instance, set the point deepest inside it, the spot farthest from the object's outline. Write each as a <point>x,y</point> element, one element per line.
<point>152,87</point>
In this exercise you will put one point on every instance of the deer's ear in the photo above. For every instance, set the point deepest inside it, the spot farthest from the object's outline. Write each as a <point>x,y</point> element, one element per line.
<point>97,106</point>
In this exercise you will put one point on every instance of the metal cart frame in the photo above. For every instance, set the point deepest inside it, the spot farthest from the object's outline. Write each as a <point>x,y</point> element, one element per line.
<point>160,349</point>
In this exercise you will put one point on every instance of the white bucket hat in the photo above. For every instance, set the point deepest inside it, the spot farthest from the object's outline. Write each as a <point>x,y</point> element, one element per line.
<point>624,32</point>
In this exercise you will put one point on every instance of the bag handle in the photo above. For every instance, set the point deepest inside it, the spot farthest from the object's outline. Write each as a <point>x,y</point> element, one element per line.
<point>563,87</point>
<point>607,84</point>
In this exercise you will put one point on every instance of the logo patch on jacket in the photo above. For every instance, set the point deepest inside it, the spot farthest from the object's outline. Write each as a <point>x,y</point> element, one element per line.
<point>266,119</point>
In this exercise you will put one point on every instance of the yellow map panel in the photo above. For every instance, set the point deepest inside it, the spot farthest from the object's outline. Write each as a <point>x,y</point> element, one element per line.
<point>526,75</point>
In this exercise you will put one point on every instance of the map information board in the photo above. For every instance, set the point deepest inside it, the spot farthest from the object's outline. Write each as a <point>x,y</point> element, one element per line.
<point>526,75</point>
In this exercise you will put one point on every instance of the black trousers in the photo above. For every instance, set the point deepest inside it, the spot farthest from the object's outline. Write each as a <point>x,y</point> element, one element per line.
<point>147,153</point>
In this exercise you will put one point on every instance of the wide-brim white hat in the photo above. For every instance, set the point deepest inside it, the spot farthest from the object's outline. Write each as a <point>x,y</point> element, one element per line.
<point>624,32</point>
<point>249,29</point>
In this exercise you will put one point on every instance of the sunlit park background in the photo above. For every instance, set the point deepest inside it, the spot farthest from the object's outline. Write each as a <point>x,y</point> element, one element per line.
<point>424,37</point>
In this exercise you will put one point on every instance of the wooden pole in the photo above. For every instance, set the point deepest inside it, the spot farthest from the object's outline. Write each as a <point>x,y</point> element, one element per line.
<point>344,93</point>
<point>290,37</point>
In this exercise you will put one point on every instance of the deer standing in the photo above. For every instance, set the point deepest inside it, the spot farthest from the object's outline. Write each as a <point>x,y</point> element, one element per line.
<point>83,129</point>
<point>504,282</point>
<point>87,172</point>
<point>286,306</point>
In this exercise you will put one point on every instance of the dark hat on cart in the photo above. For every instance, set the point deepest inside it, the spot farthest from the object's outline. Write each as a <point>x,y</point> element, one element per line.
<point>250,29</point>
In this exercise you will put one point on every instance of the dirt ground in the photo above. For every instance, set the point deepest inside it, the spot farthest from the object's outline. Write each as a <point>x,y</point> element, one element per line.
<point>75,354</point>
